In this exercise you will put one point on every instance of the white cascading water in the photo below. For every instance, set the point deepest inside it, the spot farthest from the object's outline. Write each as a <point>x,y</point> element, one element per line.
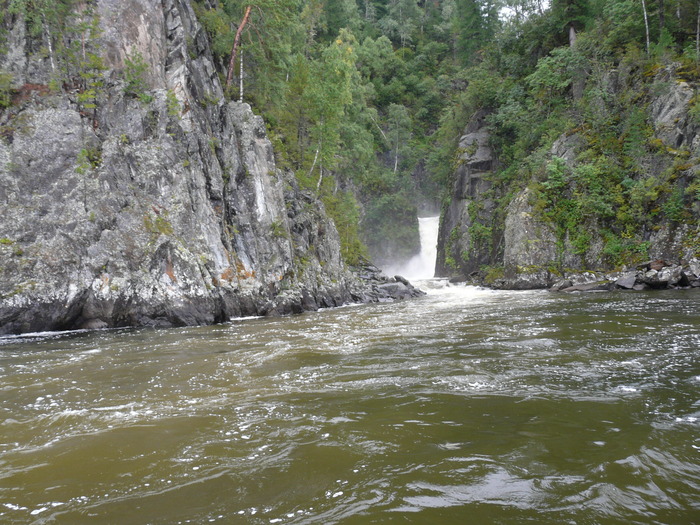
<point>421,266</point>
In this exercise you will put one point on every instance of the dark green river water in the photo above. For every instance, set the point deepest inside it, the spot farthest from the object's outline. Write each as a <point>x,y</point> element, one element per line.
<point>466,406</point>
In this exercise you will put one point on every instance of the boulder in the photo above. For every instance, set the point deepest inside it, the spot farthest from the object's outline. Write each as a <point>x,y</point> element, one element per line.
<point>561,285</point>
<point>627,281</point>
<point>693,271</point>
<point>590,287</point>
<point>665,277</point>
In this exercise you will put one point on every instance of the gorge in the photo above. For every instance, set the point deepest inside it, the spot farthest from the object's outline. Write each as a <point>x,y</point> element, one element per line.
<point>163,208</point>
<point>136,191</point>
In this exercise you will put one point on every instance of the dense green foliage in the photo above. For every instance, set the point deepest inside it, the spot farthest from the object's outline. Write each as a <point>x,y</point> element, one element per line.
<point>582,69</point>
<point>369,97</point>
<point>354,93</point>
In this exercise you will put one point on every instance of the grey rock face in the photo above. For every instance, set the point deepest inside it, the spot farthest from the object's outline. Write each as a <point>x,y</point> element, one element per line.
<point>170,212</point>
<point>529,242</point>
<point>669,110</point>
<point>460,249</point>
<point>626,281</point>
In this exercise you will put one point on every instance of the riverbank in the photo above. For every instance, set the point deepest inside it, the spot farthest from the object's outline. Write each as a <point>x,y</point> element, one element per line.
<point>651,275</point>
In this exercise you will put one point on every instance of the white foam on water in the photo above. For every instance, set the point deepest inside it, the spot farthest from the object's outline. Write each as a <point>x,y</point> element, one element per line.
<point>421,266</point>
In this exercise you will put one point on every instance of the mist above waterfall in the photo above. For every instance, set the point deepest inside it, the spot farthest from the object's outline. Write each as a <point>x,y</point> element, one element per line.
<point>421,266</point>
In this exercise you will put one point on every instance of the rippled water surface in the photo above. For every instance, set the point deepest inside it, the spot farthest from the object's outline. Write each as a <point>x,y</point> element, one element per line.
<point>466,406</point>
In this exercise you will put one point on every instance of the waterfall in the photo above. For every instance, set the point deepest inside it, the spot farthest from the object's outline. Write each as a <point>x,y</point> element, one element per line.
<point>421,266</point>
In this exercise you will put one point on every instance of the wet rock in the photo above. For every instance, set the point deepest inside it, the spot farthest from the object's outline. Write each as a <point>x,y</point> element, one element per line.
<point>590,287</point>
<point>627,281</point>
<point>394,290</point>
<point>535,280</point>
<point>664,277</point>
<point>561,285</point>
<point>694,268</point>
<point>402,280</point>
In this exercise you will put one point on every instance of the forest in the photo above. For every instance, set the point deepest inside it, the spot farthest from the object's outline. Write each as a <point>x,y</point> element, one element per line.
<point>365,100</point>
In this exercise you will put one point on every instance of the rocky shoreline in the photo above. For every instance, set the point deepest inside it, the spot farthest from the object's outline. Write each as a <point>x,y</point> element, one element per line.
<point>651,275</point>
<point>656,274</point>
<point>371,286</point>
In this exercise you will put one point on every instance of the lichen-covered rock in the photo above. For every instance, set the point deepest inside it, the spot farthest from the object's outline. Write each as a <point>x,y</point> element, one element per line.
<point>529,241</point>
<point>464,238</point>
<point>160,212</point>
<point>669,109</point>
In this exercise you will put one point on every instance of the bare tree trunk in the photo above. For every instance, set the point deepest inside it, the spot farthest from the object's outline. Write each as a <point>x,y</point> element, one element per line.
<point>396,159</point>
<point>697,37</point>
<point>646,23</point>
<point>380,129</point>
<point>320,169</point>
<point>313,164</point>
<point>320,178</point>
<point>662,17</point>
<point>240,81</point>
<point>396,154</point>
<point>236,45</point>
<point>572,35</point>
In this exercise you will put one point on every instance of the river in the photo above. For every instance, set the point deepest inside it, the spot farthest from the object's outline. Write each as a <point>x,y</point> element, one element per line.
<point>464,406</point>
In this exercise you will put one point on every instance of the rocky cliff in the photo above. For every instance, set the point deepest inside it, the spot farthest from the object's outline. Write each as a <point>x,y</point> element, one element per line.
<point>586,211</point>
<point>132,193</point>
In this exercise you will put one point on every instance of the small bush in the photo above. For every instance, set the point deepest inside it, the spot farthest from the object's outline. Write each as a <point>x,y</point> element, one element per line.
<point>135,68</point>
<point>5,89</point>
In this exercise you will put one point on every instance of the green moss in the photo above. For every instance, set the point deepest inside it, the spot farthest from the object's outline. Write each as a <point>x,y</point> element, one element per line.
<point>492,273</point>
<point>480,237</point>
<point>5,89</point>
<point>88,159</point>
<point>157,224</point>
<point>692,241</point>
